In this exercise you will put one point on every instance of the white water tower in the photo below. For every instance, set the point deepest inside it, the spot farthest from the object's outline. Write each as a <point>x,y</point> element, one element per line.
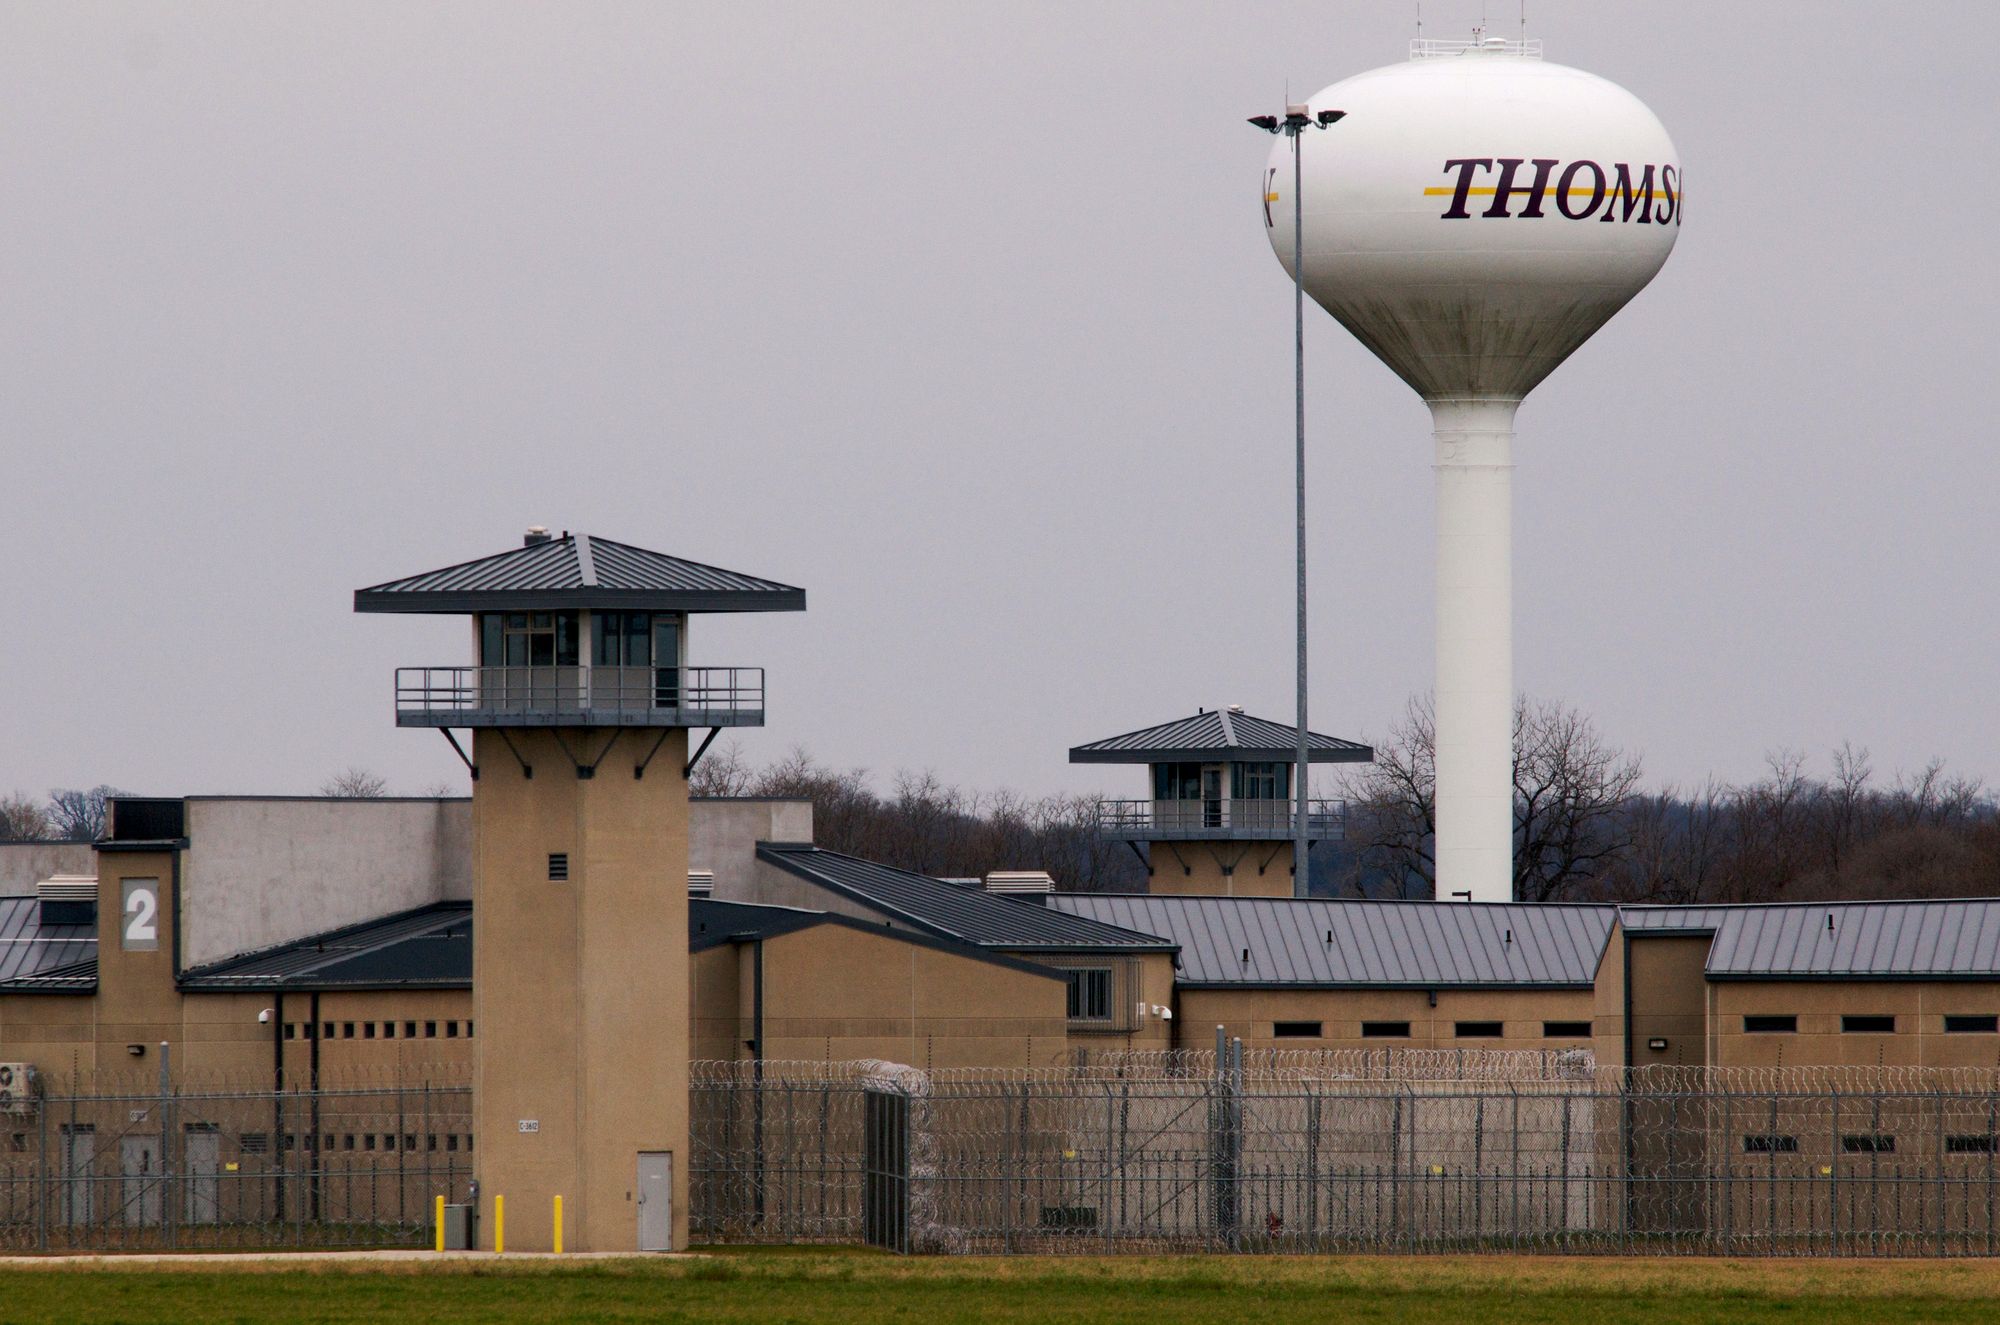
<point>1473,219</point>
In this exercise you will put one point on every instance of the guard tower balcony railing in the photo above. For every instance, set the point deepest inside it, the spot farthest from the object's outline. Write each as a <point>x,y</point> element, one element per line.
<point>579,696</point>
<point>1264,820</point>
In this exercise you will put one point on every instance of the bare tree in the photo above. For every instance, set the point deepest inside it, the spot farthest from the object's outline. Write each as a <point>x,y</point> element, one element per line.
<point>1571,793</point>
<point>78,816</point>
<point>355,784</point>
<point>23,820</point>
<point>723,771</point>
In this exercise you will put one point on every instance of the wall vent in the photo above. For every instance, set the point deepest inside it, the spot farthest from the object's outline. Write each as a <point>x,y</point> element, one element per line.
<point>701,883</point>
<point>68,899</point>
<point>558,867</point>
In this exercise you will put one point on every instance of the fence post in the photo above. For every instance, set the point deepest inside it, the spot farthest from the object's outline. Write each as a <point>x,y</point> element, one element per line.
<point>166,1147</point>
<point>43,1187</point>
<point>1105,1211</point>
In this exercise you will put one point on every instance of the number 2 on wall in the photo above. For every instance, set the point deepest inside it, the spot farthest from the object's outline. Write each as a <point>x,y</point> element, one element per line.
<point>142,917</point>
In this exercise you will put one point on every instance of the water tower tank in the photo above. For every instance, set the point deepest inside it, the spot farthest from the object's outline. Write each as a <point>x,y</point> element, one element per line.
<point>1477,215</point>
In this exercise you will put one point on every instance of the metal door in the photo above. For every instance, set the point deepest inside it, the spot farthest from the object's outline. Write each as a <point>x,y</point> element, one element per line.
<point>79,1144</point>
<point>201,1154</point>
<point>1211,797</point>
<point>656,1200</point>
<point>139,1162</point>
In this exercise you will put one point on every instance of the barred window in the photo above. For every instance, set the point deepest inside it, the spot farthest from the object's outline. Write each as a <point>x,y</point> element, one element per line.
<point>1090,995</point>
<point>1764,1143</point>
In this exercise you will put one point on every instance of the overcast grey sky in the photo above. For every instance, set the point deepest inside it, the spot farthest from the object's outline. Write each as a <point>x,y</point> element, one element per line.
<point>963,318</point>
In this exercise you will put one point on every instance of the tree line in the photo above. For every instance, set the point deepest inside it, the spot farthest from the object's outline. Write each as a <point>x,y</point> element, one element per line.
<point>1585,828</point>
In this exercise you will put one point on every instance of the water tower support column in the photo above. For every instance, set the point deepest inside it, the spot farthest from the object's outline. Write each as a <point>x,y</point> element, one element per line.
<point>1475,648</point>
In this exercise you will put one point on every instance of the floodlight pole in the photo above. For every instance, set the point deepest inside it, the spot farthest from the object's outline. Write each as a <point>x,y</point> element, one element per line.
<point>1296,121</point>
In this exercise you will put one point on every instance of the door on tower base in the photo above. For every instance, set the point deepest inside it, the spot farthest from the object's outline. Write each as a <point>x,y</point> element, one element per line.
<point>656,1200</point>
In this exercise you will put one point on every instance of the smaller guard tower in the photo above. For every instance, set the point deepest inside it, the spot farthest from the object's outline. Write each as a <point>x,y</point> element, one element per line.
<point>579,704</point>
<point>1219,820</point>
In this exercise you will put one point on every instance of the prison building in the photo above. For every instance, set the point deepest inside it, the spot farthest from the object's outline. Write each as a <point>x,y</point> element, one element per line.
<point>1347,974</point>
<point>775,983</point>
<point>1864,984</point>
<point>1221,816</point>
<point>1120,981</point>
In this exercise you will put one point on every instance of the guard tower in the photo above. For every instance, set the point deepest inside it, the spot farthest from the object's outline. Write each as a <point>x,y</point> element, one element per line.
<point>1219,821</point>
<point>579,705</point>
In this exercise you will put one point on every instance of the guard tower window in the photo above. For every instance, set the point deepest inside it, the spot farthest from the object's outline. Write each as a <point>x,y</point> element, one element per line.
<point>621,639</point>
<point>558,866</point>
<point>528,639</point>
<point>1090,995</point>
<point>1176,782</point>
<point>1260,781</point>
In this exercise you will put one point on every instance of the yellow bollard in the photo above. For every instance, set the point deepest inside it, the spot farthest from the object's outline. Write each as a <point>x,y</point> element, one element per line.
<point>499,1224</point>
<point>558,1225</point>
<point>440,1223</point>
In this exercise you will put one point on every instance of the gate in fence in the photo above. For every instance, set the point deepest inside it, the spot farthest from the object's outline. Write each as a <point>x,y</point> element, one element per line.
<point>885,1169</point>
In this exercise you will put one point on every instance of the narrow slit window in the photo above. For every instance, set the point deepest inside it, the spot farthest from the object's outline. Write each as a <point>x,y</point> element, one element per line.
<point>1767,1024</point>
<point>1868,1143</point>
<point>1869,1025</point>
<point>1963,1025</point>
<point>1477,1030</point>
<point>1565,1030</point>
<point>1296,1030</point>
<point>1385,1030</point>
<point>1764,1143</point>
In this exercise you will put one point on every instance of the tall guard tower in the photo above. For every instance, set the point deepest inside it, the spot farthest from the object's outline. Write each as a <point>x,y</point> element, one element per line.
<point>1220,820</point>
<point>579,707</point>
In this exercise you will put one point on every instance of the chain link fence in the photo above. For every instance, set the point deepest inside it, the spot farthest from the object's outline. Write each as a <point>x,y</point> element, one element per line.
<point>127,1162</point>
<point>1403,1151</point>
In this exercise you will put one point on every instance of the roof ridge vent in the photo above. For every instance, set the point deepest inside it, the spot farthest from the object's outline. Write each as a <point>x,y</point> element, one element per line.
<point>537,534</point>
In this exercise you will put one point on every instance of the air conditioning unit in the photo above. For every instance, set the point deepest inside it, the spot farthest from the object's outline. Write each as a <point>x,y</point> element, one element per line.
<point>17,1088</point>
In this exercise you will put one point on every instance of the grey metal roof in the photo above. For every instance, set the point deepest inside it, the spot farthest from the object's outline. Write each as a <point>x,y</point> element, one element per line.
<point>1218,734</point>
<point>429,947</point>
<point>34,956</point>
<point>1314,942</point>
<point>948,911</point>
<point>712,924</point>
<point>1912,940</point>
<point>580,570</point>
<point>1673,919</point>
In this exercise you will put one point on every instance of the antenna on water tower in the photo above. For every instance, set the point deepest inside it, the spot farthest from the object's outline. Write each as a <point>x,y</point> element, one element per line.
<point>1479,216</point>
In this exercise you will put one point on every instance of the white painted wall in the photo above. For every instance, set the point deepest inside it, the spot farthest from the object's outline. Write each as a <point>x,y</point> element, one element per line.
<point>263,871</point>
<point>25,864</point>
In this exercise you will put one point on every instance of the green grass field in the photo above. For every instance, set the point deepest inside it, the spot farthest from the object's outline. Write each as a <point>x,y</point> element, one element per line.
<point>778,1288</point>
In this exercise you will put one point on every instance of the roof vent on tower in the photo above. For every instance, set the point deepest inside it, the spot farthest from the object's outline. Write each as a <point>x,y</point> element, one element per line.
<point>1235,708</point>
<point>1020,881</point>
<point>537,533</point>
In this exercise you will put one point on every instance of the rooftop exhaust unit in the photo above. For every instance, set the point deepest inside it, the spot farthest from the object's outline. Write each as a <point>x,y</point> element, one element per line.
<point>68,899</point>
<point>1020,881</point>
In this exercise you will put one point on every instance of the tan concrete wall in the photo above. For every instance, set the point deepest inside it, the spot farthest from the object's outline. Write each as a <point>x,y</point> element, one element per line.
<point>1919,1008</point>
<point>1669,994</point>
<point>1221,869</point>
<point>833,993</point>
<point>1251,1013</point>
<point>1608,1002</point>
<point>581,989</point>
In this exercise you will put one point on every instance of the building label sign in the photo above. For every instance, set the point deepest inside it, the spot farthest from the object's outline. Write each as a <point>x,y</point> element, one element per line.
<point>531,1124</point>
